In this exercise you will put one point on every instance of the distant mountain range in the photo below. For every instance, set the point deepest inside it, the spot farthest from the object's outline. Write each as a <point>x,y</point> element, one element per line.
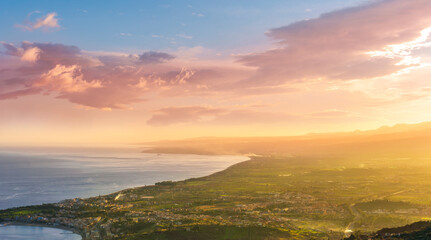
<point>401,140</point>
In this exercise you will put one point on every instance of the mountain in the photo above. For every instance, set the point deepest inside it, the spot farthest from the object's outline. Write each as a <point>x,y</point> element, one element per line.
<point>415,231</point>
<point>402,140</point>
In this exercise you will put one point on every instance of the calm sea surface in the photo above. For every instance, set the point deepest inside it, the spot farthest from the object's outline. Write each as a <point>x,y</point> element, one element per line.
<point>36,233</point>
<point>31,176</point>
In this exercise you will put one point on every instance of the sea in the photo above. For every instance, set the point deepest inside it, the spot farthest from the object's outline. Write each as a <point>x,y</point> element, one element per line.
<point>30,176</point>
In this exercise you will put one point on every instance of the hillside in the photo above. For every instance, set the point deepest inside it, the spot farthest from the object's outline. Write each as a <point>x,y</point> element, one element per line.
<point>415,231</point>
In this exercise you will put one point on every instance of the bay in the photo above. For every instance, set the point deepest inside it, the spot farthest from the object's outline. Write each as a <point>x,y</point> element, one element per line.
<point>30,176</point>
<point>12,232</point>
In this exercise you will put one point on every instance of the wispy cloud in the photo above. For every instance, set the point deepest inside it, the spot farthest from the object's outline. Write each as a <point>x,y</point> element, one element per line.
<point>47,22</point>
<point>19,93</point>
<point>198,14</point>
<point>126,34</point>
<point>184,36</point>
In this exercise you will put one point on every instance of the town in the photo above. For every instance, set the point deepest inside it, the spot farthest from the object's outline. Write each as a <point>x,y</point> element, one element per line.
<point>278,197</point>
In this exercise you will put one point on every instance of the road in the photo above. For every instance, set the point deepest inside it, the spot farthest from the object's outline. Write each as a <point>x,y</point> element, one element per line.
<point>357,214</point>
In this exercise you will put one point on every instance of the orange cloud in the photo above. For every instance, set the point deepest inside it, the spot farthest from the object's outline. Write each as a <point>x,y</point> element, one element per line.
<point>65,79</point>
<point>31,54</point>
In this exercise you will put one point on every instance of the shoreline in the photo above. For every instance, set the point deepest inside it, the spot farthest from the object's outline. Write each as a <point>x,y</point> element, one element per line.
<point>82,233</point>
<point>246,158</point>
<point>72,230</point>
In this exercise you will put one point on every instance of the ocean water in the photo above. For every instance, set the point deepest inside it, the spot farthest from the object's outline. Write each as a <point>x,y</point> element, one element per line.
<point>35,233</point>
<point>31,176</point>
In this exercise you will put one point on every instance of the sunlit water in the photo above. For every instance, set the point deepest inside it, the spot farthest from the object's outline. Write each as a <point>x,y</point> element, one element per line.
<point>35,233</point>
<point>35,176</point>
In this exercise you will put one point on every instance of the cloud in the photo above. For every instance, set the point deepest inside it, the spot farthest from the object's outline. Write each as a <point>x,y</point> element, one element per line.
<point>362,42</point>
<point>184,36</point>
<point>343,50</point>
<point>197,14</point>
<point>19,93</point>
<point>49,21</point>
<point>47,55</point>
<point>65,79</point>
<point>31,54</point>
<point>153,57</point>
<point>102,80</point>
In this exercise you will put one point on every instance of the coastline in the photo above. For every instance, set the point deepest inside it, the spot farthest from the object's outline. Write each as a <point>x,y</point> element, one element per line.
<point>73,230</point>
<point>92,177</point>
<point>82,232</point>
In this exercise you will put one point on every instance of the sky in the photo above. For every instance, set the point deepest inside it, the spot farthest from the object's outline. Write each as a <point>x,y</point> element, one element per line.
<point>113,72</point>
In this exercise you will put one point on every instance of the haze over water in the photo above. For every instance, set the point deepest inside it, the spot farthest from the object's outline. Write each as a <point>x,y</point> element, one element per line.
<point>46,175</point>
<point>36,233</point>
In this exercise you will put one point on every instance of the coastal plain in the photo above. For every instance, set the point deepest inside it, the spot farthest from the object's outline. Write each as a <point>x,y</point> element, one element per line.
<point>314,195</point>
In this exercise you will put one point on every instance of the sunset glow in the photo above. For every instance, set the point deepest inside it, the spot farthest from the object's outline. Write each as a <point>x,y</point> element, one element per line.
<point>84,73</point>
<point>215,120</point>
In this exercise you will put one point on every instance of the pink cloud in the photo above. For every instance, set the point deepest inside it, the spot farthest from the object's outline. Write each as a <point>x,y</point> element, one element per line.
<point>365,42</point>
<point>19,93</point>
<point>104,80</point>
<point>341,45</point>
<point>31,54</point>
<point>65,79</point>
<point>46,22</point>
